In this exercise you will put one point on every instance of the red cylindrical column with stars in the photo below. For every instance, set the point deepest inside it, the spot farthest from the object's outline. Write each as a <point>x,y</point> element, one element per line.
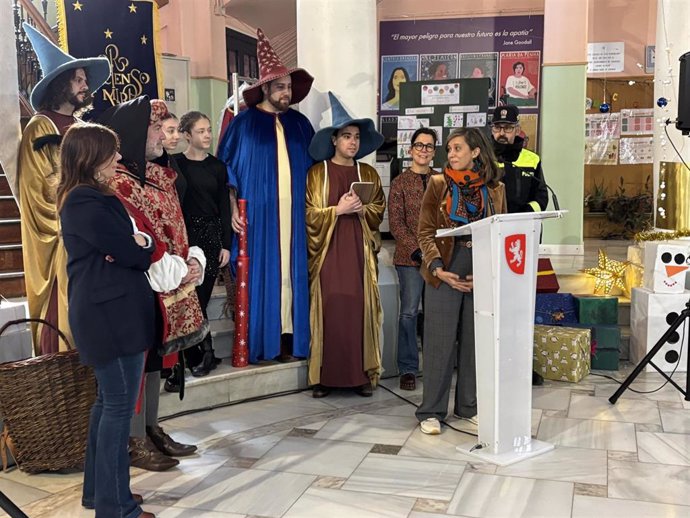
<point>240,349</point>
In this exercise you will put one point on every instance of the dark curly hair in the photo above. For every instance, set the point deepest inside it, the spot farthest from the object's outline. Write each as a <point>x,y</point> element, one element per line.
<point>59,91</point>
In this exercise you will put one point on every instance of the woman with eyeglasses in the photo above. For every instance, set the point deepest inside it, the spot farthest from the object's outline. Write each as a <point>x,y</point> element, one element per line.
<point>468,190</point>
<point>404,204</point>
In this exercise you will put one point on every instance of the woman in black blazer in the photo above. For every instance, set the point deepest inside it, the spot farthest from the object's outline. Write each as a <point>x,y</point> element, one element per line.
<point>111,308</point>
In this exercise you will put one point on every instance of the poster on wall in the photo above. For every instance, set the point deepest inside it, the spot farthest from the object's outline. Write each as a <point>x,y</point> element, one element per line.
<point>528,130</point>
<point>505,49</point>
<point>602,125</point>
<point>638,121</point>
<point>396,70</point>
<point>438,66</point>
<point>638,150</point>
<point>519,79</point>
<point>601,151</point>
<point>481,64</point>
<point>388,126</point>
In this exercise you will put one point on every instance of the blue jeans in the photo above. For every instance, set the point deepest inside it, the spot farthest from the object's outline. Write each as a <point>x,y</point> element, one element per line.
<point>106,471</point>
<point>411,287</point>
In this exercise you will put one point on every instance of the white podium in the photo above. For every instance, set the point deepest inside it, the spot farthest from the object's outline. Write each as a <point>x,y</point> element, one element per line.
<point>505,248</point>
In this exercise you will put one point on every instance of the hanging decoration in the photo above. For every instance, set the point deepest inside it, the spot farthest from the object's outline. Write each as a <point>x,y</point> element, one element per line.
<point>604,107</point>
<point>661,102</point>
<point>608,274</point>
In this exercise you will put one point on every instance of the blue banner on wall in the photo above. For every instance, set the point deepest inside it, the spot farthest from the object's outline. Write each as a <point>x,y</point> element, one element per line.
<point>124,32</point>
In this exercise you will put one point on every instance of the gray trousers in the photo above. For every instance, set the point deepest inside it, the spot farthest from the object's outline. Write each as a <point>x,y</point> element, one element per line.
<point>449,337</point>
<point>149,406</point>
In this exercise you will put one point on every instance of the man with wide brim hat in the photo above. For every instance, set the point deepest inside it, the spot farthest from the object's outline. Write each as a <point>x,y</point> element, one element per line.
<point>65,88</point>
<point>265,150</point>
<point>345,205</point>
<point>321,146</point>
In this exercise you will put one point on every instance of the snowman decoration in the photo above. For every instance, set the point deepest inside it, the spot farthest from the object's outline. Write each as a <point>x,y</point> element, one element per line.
<point>665,267</point>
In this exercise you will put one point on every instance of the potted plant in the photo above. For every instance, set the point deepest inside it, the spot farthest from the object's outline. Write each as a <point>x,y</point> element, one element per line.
<point>630,214</point>
<point>595,201</point>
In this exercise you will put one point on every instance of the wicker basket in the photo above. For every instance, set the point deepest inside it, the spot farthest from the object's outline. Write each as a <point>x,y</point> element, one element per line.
<point>45,403</point>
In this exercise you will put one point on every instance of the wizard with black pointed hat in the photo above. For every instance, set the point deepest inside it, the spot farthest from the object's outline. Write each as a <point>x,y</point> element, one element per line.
<point>65,88</point>
<point>345,205</point>
<point>265,150</point>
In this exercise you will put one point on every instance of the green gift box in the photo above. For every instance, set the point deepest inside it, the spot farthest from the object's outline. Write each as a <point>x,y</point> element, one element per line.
<point>597,310</point>
<point>605,359</point>
<point>562,353</point>
<point>603,337</point>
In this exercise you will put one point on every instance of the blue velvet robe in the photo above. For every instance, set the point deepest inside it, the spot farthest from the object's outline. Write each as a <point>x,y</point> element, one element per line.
<point>249,150</point>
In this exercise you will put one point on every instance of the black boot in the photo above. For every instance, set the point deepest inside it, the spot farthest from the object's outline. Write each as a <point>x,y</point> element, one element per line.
<point>206,365</point>
<point>172,382</point>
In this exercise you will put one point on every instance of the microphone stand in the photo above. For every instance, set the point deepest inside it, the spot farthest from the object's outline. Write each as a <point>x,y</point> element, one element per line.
<point>554,198</point>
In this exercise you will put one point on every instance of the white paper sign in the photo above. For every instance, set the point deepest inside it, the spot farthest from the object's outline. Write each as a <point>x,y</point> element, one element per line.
<point>476,120</point>
<point>453,120</point>
<point>407,122</point>
<point>638,150</point>
<point>447,93</point>
<point>464,108</point>
<point>405,136</point>
<point>421,110</point>
<point>605,57</point>
<point>637,121</point>
<point>602,125</point>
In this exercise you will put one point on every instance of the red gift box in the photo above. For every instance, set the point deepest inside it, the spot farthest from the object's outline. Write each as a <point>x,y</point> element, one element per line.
<point>546,277</point>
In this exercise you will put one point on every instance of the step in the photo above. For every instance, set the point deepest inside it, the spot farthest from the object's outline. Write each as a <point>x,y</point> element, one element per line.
<point>10,231</point>
<point>8,206</point>
<point>12,284</point>
<point>214,310</point>
<point>223,334</point>
<point>4,186</point>
<point>228,384</point>
<point>11,258</point>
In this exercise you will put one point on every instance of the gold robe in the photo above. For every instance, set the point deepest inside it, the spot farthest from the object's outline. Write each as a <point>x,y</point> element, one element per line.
<point>45,259</point>
<point>321,221</point>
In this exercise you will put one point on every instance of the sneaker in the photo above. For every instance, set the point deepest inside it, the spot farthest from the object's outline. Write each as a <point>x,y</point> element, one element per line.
<point>472,420</point>
<point>430,426</point>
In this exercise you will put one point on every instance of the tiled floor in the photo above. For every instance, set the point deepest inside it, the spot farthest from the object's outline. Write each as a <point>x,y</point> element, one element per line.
<point>345,456</point>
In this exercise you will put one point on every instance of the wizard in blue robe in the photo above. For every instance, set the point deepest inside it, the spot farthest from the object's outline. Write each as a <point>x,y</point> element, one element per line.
<point>265,149</point>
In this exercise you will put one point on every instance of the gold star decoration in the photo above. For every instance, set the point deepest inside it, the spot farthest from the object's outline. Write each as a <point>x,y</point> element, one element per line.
<point>608,274</point>
<point>132,8</point>
<point>144,39</point>
<point>77,6</point>
<point>108,34</point>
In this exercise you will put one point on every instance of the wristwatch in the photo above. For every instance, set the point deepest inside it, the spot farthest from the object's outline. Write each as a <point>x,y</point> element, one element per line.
<point>434,272</point>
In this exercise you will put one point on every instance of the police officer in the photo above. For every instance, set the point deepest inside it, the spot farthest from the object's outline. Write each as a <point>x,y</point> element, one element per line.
<point>523,178</point>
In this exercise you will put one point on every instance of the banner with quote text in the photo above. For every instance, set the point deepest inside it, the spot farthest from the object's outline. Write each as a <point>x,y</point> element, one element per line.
<point>507,50</point>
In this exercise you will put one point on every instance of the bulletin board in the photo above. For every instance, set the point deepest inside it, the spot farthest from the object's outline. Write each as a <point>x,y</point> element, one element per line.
<point>441,105</point>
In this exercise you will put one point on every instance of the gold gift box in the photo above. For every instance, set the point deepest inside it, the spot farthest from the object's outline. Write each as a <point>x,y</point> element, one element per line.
<point>562,353</point>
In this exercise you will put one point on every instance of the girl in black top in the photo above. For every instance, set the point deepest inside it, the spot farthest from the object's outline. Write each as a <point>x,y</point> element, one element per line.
<point>206,209</point>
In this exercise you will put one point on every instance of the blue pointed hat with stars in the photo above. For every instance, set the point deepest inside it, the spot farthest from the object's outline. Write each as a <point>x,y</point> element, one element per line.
<point>54,62</point>
<point>321,147</point>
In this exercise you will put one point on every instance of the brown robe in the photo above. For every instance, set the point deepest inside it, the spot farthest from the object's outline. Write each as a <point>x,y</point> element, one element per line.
<point>333,241</point>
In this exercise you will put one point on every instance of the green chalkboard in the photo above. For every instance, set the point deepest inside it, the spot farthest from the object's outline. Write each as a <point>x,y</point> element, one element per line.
<point>449,103</point>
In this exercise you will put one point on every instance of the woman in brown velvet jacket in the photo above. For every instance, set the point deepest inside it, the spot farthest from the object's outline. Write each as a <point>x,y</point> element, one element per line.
<point>468,190</point>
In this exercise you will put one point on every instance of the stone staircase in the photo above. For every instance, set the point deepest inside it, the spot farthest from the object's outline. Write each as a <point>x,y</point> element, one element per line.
<point>228,384</point>
<point>11,261</point>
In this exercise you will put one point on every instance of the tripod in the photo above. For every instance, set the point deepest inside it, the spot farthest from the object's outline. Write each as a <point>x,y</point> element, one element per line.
<point>650,355</point>
<point>10,508</point>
